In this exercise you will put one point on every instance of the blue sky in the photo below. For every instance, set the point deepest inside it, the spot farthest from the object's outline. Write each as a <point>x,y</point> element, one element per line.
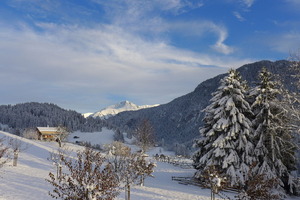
<point>88,54</point>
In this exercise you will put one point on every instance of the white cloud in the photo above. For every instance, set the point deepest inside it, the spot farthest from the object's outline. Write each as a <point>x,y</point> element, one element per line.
<point>220,46</point>
<point>285,43</point>
<point>87,66</point>
<point>135,8</point>
<point>248,3</point>
<point>293,5</point>
<point>239,16</point>
<point>79,65</point>
<point>296,2</point>
<point>145,16</point>
<point>200,29</point>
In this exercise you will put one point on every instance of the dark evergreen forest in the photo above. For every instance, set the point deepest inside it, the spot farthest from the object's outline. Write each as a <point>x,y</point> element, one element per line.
<point>30,115</point>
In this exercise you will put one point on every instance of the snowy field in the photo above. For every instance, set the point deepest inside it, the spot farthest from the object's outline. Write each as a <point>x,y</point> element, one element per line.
<point>103,137</point>
<point>106,137</point>
<point>27,180</point>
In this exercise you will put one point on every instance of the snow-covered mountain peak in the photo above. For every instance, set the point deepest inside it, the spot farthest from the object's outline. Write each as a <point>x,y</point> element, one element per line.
<point>124,104</point>
<point>119,107</point>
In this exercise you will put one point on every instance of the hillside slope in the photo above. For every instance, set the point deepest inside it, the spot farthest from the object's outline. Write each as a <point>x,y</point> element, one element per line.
<point>27,180</point>
<point>179,120</point>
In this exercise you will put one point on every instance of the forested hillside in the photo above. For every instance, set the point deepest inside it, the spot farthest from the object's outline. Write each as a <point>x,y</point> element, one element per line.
<point>30,115</point>
<point>178,122</point>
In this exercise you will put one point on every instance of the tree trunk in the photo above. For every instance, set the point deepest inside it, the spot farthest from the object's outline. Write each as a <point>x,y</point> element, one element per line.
<point>127,192</point>
<point>58,141</point>
<point>142,180</point>
<point>15,161</point>
<point>60,169</point>
<point>273,148</point>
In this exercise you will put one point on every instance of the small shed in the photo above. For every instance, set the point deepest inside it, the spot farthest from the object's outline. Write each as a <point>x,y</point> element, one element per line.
<point>48,133</point>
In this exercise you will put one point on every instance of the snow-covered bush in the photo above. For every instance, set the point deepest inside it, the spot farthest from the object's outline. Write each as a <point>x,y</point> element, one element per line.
<point>85,178</point>
<point>260,187</point>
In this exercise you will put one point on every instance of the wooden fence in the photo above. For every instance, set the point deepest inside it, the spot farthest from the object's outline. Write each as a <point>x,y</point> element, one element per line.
<point>175,160</point>
<point>198,183</point>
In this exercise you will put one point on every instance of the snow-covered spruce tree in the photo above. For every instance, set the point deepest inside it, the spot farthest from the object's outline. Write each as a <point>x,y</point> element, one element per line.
<point>274,148</point>
<point>226,140</point>
<point>293,101</point>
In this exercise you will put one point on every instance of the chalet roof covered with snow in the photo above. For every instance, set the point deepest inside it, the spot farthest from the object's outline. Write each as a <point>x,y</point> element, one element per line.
<point>48,130</point>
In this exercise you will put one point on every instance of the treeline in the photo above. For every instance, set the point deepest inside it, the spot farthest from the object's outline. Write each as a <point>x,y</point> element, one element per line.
<point>29,115</point>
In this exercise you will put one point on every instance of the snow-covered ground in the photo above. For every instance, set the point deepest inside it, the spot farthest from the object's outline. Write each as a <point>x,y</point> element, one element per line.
<point>103,137</point>
<point>106,137</point>
<point>27,180</point>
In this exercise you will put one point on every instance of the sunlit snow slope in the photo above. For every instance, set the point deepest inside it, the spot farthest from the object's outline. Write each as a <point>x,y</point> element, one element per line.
<point>27,180</point>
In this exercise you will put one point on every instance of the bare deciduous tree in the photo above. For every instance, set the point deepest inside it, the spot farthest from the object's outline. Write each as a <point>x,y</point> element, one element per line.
<point>259,187</point>
<point>143,167</point>
<point>55,158</point>
<point>145,135</point>
<point>85,178</point>
<point>118,153</point>
<point>131,168</point>
<point>122,161</point>
<point>30,133</point>
<point>63,134</point>
<point>17,146</point>
<point>135,170</point>
<point>3,153</point>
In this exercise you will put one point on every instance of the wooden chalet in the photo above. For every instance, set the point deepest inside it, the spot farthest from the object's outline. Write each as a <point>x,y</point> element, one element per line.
<point>48,133</point>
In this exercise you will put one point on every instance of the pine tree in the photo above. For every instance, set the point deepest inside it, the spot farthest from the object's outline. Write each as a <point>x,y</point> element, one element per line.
<point>226,135</point>
<point>274,148</point>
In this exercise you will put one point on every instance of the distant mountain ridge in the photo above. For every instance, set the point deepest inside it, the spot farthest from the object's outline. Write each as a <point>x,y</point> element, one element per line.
<point>117,108</point>
<point>179,120</point>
